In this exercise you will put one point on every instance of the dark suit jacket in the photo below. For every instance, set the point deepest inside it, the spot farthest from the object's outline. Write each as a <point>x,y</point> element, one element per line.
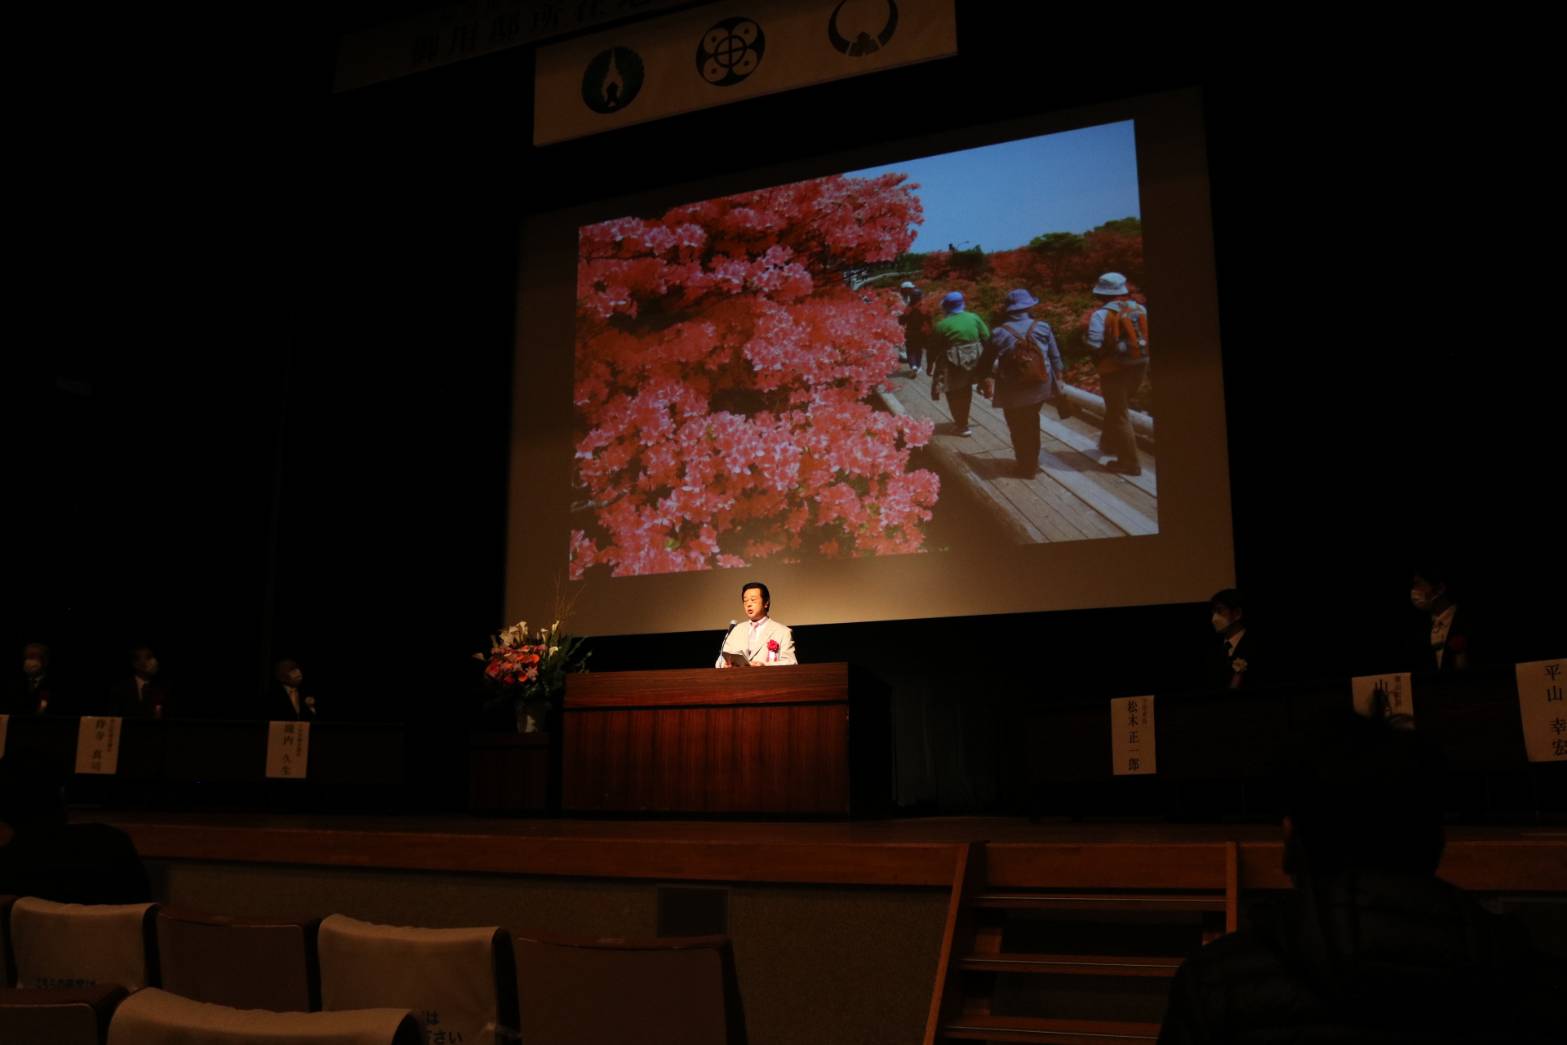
<point>125,702</point>
<point>280,709</point>
<point>26,699</point>
<point>1222,670</point>
<point>1459,645</point>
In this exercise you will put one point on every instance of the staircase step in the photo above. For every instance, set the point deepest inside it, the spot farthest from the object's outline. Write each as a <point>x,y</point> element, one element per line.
<point>1072,964</point>
<point>1050,1031</point>
<point>1012,901</point>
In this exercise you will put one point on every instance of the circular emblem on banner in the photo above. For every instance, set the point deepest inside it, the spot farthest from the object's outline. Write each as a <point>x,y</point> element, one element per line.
<point>863,43</point>
<point>612,80</point>
<point>730,51</point>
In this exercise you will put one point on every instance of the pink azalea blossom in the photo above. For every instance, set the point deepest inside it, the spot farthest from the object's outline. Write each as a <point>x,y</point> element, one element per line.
<point>724,373</point>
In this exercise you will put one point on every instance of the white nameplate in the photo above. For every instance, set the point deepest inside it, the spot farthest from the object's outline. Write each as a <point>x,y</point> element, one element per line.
<point>1542,705</point>
<point>288,750</point>
<point>1395,695</point>
<point>98,745</point>
<point>1132,748</point>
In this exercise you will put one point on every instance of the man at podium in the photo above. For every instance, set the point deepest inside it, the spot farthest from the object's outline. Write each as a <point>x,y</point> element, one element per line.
<point>758,641</point>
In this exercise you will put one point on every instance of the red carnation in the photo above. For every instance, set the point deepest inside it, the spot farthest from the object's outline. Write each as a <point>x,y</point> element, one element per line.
<point>772,645</point>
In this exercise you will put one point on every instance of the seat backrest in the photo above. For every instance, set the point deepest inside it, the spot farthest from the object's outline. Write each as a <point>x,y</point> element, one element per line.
<point>156,1017</point>
<point>460,982</point>
<point>83,945</point>
<point>654,992</point>
<point>79,1016</point>
<point>245,965</point>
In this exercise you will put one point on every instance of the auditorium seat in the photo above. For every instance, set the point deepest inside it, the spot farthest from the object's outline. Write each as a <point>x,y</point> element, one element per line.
<point>456,980</point>
<point>156,1017</point>
<point>75,1016</point>
<point>242,964</point>
<point>56,945</point>
<point>673,991</point>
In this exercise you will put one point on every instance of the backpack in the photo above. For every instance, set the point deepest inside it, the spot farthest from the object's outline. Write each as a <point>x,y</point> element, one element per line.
<point>1128,325</point>
<point>1025,364</point>
<point>965,356</point>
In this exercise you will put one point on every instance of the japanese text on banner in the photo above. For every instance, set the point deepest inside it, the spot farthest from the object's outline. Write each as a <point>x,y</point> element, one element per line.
<point>98,745</point>
<point>1542,707</point>
<point>288,750</point>
<point>1132,748</point>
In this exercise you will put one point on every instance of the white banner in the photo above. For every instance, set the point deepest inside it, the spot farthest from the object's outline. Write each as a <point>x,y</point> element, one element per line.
<point>98,745</point>
<point>1542,705</point>
<point>1395,694</point>
<point>1132,749</point>
<point>288,750</point>
<point>463,29</point>
<point>726,52</point>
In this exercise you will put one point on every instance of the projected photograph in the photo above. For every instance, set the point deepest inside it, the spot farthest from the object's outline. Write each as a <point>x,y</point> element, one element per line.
<point>952,350</point>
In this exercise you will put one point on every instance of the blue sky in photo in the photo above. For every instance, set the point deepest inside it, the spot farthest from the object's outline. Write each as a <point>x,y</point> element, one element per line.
<point>1002,196</point>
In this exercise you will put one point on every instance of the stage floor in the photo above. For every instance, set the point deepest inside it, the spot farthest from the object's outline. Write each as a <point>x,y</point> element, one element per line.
<point>909,852</point>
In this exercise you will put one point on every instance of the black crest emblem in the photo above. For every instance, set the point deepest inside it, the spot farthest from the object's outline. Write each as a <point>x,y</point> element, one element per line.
<point>612,80</point>
<point>863,43</point>
<point>730,51</point>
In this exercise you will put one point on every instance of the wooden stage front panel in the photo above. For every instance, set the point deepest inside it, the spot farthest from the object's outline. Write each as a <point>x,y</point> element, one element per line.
<point>894,853</point>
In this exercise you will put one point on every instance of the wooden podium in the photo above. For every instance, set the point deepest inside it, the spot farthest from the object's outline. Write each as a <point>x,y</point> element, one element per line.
<point>799,739</point>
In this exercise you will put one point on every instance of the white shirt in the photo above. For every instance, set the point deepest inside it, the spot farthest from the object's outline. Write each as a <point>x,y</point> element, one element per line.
<point>751,645</point>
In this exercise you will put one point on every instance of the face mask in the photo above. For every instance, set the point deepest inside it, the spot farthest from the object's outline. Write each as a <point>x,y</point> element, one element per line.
<point>32,666</point>
<point>1220,622</point>
<point>295,677</point>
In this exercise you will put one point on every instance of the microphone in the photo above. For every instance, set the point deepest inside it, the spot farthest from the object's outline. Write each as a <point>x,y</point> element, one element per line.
<point>725,641</point>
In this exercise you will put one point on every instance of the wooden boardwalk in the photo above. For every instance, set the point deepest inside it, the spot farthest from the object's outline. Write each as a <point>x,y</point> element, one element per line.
<point>1074,498</point>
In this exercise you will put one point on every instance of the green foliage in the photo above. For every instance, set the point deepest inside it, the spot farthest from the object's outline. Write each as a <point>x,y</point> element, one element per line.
<point>1057,244</point>
<point>1124,226</point>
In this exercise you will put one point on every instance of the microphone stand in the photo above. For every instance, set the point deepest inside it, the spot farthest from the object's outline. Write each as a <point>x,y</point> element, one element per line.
<point>725,641</point>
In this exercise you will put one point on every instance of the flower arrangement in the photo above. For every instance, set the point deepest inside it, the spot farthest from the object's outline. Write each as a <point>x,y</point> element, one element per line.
<point>528,668</point>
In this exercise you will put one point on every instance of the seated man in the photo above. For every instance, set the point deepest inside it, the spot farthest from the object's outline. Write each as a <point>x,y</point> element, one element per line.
<point>287,699</point>
<point>144,694</point>
<point>1232,657</point>
<point>1371,946</point>
<point>36,693</point>
<point>43,855</point>
<point>762,641</point>
<point>1442,640</point>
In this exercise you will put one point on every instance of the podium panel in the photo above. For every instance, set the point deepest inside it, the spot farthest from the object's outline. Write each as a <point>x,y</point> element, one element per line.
<point>781,740</point>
